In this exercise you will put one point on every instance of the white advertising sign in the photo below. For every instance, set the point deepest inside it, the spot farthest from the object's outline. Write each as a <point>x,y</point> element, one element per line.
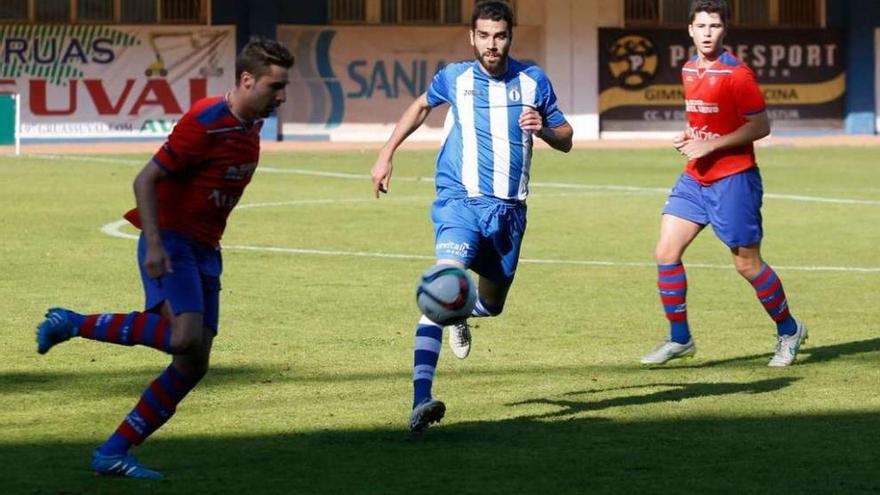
<point>365,76</point>
<point>112,81</point>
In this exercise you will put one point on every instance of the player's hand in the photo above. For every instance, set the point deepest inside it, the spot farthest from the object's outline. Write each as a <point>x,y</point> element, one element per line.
<point>530,120</point>
<point>157,262</point>
<point>381,175</point>
<point>680,140</point>
<point>694,148</point>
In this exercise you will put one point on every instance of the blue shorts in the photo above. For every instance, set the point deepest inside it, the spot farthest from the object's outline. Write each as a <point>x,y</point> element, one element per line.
<point>485,234</point>
<point>193,287</point>
<point>731,205</point>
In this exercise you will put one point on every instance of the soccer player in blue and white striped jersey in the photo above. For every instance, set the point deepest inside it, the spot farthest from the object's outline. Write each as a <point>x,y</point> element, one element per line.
<point>497,106</point>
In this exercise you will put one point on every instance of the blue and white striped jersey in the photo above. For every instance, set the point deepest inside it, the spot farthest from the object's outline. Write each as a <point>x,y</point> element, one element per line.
<point>484,152</point>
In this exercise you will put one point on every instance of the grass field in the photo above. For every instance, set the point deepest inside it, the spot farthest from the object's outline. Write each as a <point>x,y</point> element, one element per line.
<point>310,387</point>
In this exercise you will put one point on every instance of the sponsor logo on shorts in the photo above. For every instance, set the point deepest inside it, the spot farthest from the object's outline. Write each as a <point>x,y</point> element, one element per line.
<point>459,249</point>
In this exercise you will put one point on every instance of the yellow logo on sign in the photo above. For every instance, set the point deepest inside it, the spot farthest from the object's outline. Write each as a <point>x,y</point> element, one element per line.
<point>633,61</point>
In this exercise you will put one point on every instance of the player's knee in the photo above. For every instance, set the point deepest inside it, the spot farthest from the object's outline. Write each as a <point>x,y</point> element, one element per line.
<point>186,340</point>
<point>748,269</point>
<point>186,344</point>
<point>660,255</point>
<point>665,256</point>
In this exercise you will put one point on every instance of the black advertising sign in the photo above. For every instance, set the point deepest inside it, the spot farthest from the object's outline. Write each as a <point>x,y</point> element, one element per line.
<point>801,72</point>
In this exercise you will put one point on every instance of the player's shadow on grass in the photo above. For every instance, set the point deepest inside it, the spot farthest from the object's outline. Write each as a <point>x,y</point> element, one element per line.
<point>673,392</point>
<point>808,354</point>
<point>132,381</point>
<point>787,453</point>
<point>128,381</point>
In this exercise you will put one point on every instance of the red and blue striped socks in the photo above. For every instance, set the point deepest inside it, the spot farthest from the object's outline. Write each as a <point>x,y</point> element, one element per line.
<point>672,287</point>
<point>130,329</point>
<point>157,405</point>
<point>768,288</point>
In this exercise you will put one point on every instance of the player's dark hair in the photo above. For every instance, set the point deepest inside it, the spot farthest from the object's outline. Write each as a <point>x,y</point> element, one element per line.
<point>711,7</point>
<point>495,10</point>
<point>256,57</point>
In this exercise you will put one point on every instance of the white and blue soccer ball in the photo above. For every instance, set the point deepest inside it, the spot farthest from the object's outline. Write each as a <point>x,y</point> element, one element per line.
<point>446,294</point>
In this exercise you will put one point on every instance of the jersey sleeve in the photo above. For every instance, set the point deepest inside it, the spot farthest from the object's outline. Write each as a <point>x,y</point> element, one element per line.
<point>746,93</point>
<point>186,146</point>
<point>438,91</point>
<point>553,116</point>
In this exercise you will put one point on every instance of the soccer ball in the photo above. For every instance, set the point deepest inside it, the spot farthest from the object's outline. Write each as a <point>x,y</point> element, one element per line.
<point>446,294</point>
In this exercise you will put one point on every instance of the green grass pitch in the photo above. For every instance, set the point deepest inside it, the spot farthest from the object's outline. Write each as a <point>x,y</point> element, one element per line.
<point>310,386</point>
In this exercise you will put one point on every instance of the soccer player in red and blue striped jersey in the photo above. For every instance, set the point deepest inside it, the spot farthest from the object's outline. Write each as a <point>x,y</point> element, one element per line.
<point>721,186</point>
<point>184,196</point>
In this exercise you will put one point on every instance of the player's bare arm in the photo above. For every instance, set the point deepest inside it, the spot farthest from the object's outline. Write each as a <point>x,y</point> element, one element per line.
<point>558,138</point>
<point>756,127</point>
<point>413,117</point>
<point>157,261</point>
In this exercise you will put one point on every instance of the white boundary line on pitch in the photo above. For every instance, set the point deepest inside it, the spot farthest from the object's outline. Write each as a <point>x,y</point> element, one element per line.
<point>86,158</point>
<point>563,185</point>
<point>365,199</point>
<point>113,229</point>
<point>555,185</point>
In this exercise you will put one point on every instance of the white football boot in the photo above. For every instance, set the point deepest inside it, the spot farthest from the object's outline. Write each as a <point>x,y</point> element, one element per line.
<point>787,347</point>
<point>670,350</point>
<point>460,339</point>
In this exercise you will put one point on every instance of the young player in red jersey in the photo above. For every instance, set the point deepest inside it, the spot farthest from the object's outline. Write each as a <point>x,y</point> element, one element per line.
<point>183,196</point>
<point>721,186</point>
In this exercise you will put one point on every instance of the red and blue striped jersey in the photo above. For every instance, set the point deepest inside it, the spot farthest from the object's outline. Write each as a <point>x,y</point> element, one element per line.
<point>209,157</point>
<point>718,100</point>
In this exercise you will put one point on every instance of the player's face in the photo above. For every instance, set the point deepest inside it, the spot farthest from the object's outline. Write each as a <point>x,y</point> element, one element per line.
<point>708,32</point>
<point>491,42</point>
<point>268,92</point>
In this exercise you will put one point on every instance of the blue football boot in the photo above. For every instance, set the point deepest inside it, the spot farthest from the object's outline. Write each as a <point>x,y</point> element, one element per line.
<point>125,465</point>
<point>55,329</point>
